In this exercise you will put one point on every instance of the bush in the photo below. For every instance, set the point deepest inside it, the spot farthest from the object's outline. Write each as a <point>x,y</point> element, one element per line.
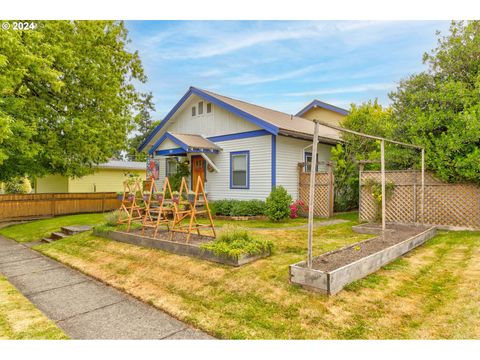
<point>277,206</point>
<point>18,185</point>
<point>235,241</point>
<point>238,207</point>
<point>298,208</point>
<point>111,218</point>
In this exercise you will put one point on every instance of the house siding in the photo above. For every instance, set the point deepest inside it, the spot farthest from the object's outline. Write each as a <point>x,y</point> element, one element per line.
<point>51,184</point>
<point>260,177</point>
<point>219,122</point>
<point>328,116</point>
<point>290,152</point>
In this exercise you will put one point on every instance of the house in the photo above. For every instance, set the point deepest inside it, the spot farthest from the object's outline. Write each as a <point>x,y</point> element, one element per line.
<point>240,150</point>
<point>321,110</point>
<point>107,177</point>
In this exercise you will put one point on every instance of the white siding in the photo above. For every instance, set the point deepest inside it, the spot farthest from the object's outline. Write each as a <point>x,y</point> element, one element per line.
<point>219,122</point>
<point>290,152</point>
<point>167,144</point>
<point>218,184</point>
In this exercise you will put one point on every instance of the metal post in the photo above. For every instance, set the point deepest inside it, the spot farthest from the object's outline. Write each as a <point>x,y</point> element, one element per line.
<point>382,161</point>
<point>311,203</point>
<point>423,186</point>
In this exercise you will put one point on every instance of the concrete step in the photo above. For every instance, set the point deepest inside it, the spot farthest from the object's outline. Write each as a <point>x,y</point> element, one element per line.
<point>58,235</point>
<point>75,229</point>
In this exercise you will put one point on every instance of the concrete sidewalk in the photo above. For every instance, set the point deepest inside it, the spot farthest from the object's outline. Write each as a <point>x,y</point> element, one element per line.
<point>83,307</point>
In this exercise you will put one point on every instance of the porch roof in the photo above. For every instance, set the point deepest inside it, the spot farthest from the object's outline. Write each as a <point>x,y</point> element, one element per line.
<point>188,143</point>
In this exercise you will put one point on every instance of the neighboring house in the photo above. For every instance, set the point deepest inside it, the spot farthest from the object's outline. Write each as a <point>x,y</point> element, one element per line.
<point>106,178</point>
<point>320,110</point>
<point>241,150</point>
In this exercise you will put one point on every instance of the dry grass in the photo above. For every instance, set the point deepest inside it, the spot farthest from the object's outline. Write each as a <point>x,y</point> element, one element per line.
<point>19,319</point>
<point>431,293</point>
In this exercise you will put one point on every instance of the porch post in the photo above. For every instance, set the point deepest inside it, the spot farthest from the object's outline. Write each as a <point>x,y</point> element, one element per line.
<point>311,203</point>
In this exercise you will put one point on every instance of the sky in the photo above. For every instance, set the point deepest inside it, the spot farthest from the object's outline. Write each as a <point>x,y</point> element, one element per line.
<point>282,65</point>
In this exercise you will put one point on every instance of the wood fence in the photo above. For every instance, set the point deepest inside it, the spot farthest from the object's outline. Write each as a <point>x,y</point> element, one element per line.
<point>17,207</point>
<point>445,204</point>
<point>323,199</point>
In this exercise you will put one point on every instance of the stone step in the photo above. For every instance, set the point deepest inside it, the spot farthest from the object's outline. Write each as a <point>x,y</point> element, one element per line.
<point>47,240</point>
<point>75,229</point>
<point>58,235</point>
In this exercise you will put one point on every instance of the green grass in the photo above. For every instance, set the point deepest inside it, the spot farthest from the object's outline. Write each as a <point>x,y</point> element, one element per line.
<point>21,320</point>
<point>431,293</point>
<point>36,230</point>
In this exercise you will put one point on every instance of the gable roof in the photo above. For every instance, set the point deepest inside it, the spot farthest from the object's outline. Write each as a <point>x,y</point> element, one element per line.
<point>273,121</point>
<point>187,142</point>
<point>323,105</point>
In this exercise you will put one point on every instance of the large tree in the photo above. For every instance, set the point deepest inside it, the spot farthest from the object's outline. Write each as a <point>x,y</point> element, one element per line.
<point>440,107</point>
<point>67,99</point>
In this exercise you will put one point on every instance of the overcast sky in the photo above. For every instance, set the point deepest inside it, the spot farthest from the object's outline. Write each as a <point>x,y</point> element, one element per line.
<point>280,64</point>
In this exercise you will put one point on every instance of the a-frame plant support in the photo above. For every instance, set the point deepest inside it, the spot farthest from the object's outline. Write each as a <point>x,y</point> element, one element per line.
<point>382,162</point>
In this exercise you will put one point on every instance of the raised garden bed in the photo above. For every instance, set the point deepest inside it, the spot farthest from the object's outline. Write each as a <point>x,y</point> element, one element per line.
<point>331,271</point>
<point>177,245</point>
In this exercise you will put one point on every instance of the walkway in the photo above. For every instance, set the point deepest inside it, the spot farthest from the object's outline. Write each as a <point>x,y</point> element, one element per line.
<point>83,307</point>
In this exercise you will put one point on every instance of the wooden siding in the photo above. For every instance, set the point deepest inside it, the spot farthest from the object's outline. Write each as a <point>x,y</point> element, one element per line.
<point>329,116</point>
<point>290,152</point>
<point>16,207</point>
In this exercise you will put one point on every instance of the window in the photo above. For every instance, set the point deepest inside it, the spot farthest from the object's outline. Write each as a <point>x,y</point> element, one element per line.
<point>194,111</point>
<point>209,108</point>
<point>170,167</point>
<point>239,169</point>
<point>200,108</point>
<point>308,162</point>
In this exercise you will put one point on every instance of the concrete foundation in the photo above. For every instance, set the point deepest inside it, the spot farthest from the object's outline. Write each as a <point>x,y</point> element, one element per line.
<point>332,282</point>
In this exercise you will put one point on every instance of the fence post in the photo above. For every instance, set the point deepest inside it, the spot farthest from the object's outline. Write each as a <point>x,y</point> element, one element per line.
<point>53,205</point>
<point>360,171</point>
<point>331,193</point>
<point>382,161</point>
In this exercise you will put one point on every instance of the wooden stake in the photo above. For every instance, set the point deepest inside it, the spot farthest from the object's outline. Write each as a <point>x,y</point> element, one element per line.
<point>423,185</point>
<point>382,161</point>
<point>311,203</point>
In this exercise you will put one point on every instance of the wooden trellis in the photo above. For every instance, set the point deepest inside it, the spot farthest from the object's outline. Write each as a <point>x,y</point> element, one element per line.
<point>323,189</point>
<point>190,210</point>
<point>156,213</point>
<point>130,206</point>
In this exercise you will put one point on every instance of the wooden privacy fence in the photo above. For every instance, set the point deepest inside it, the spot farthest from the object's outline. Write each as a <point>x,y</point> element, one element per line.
<point>449,205</point>
<point>323,205</point>
<point>13,207</point>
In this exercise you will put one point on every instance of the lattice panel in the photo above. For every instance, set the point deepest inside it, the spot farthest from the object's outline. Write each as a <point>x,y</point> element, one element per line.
<point>323,205</point>
<point>444,204</point>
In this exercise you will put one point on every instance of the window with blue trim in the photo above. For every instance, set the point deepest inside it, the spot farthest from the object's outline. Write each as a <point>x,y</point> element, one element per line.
<point>240,169</point>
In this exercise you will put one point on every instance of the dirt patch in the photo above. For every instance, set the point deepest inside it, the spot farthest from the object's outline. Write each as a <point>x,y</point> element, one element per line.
<point>338,258</point>
<point>178,237</point>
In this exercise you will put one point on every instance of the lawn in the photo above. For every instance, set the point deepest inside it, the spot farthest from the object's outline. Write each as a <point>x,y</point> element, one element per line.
<point>20,319</point>
<point>39,229</point>
<point>432,293</point>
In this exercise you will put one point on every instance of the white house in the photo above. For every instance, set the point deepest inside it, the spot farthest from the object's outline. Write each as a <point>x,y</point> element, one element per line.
<point>241,150</point>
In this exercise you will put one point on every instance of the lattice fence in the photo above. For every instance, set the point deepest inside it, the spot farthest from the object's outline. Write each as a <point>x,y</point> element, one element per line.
<point>445,204</point>
<point>323,205</point>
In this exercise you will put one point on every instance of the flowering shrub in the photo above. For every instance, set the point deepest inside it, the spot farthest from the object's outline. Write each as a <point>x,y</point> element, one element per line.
<point>298,208</point>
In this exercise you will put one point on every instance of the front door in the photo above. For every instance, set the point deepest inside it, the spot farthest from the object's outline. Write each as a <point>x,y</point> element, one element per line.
<point>198,169</point>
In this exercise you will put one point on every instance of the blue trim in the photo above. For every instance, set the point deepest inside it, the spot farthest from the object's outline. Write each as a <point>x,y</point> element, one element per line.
<point>184,146</point>
<point>274,161</point>
<point>272,129</point>
<point>246,152</point>
<point>177,151</point>
<point>324,106</point>
<point>242,135</point>
<point>164,121</point>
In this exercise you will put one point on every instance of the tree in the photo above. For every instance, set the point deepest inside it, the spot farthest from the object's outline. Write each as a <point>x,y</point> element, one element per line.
<point>440,108</point>
<point>67,98</point>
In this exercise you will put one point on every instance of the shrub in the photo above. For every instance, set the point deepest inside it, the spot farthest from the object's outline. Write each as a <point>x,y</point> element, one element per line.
<point>238,207</point>
<point>18,185</point>
<point>111,218</point>
<point>235,241</point>
<point>277,206</point>
<point>298,208</point>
